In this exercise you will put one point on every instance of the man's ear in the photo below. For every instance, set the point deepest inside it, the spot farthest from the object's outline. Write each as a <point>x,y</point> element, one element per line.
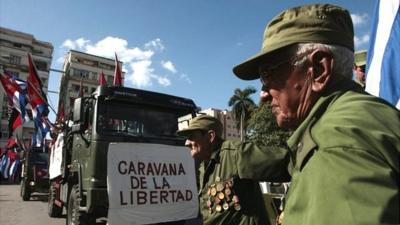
<point>322,64</point>
<point>211,136</point>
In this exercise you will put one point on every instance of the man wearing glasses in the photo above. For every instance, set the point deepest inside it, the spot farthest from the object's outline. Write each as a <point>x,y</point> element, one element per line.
<point>346,143</point>
<point>228,189</point>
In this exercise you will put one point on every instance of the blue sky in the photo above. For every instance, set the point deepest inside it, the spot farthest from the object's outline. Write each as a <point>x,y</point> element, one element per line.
<point>179,47</point>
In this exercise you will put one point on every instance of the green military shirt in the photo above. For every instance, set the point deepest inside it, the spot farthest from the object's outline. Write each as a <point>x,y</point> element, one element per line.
<point>228,194</point>
<point>346,155</point>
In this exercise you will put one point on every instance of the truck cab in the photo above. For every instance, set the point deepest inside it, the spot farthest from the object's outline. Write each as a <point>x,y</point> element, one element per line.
<point>34,175</point>
<point>109,115</point>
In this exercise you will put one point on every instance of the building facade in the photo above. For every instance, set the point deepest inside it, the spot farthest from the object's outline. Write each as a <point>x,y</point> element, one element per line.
<point>82,69</point>
<point>230,130</point>
<point>14,49</point>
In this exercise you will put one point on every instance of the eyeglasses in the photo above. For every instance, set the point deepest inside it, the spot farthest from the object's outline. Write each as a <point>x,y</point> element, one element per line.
<point>268,72</point>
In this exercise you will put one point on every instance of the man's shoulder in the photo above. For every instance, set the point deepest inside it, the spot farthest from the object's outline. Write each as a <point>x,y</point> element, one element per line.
<point>229,145</point>
<point>357,118</point>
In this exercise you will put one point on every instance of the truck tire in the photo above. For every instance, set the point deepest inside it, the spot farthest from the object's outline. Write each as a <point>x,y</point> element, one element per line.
<point>25,192</point>
<point>74,216</point>
<point>52,209</point>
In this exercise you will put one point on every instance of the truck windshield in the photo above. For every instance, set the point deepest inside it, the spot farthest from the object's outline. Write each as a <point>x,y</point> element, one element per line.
<point>39,157</point>
<point>136,120</point>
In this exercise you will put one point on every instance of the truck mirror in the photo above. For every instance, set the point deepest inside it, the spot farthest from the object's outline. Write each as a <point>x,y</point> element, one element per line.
<point>78,110</point>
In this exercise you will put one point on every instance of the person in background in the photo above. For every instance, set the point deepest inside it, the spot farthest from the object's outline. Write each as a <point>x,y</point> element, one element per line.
<point>360,59</point>
<point>345,147</point>
<point>229,192</point>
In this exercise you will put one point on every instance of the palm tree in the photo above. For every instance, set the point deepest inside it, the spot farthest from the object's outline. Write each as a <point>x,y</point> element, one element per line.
<point>242,105</point>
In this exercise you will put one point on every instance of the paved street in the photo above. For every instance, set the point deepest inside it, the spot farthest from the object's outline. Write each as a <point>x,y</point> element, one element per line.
<point>14,211</point>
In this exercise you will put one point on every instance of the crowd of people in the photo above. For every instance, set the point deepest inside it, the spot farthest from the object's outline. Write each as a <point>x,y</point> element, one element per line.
<point>343,157</point>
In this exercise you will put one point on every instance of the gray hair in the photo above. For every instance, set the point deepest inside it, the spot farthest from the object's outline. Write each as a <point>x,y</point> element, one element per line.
<point>344,58</point>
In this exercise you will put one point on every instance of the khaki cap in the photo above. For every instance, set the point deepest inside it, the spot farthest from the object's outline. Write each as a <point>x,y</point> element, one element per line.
<point>317,23</point>
<point>202,122</point>
<point>360,58</point>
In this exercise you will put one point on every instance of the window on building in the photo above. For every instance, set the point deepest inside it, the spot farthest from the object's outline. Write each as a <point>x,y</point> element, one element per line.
<point>94,76</point>
<point>4,108</point>
<point>41,65</point>
<point>106,66</point>
<point>81,73</point>
<point>75,87</point>
<point>18,45</point>
<point>14,59</point>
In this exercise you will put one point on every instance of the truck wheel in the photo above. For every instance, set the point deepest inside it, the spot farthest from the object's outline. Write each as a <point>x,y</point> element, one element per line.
<point>53,210</point>
<point>74,216</point>
<point>25,192</point>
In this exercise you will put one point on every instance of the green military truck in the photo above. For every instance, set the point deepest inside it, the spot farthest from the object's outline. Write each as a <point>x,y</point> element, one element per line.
<point>34,172</point>
<point>110,115</point>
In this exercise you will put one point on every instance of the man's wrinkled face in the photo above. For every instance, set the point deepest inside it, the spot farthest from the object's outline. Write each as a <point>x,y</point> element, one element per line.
<point>283,85</point>
<point>199,144</point>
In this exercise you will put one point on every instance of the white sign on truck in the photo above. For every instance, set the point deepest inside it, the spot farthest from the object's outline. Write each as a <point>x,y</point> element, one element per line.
<point>55,158</point>
<point>150,183</point>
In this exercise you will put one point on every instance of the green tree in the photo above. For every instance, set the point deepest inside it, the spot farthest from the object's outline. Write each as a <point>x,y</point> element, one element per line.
<point>263,129</point>
<point>242,106</point>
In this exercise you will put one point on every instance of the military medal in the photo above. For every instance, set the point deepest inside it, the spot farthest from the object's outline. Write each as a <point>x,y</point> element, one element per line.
<point>221,195</point>
<point>225,206</point>
<point>218,208</point>
<point>209,191</point>
<point>217,200</point>
<point>213,191</point>
<point>227,192</point>
<point>220,187</point>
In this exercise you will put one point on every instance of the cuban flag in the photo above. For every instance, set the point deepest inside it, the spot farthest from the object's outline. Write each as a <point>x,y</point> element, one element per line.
<point>15,94</point>
<point>38,102</point>
<point>383,61</point>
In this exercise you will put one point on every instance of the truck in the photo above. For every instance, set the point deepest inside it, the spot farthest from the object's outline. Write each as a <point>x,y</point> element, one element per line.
<point>111,114</point>
<point>34,172</point>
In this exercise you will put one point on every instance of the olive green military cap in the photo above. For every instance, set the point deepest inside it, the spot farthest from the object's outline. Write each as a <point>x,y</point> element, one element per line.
<point>360,58</point>
<point>202,122</point>
<point>316,23</point>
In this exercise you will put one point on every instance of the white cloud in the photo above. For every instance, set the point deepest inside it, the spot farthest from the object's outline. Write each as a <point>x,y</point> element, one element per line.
<point>359,19</point>
<point>138,62</point>
<point>164,81</point>
<point>360,41</point>
<point>77,44</point>
<point>185,77</point>
<point>169,66</point>
<point>155,44</point>
<point>142,73</point>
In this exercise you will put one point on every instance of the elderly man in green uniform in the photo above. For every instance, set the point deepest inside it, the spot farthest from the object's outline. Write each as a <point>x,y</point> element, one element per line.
<point>345,146</point>
<point>229,193</point>
<point>360,60</point>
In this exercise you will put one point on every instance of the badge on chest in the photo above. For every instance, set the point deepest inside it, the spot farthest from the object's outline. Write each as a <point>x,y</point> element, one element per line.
<point>221,196</point>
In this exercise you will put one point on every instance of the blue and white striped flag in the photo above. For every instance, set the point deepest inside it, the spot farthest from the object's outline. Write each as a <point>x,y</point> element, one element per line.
<point>383,62</point>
